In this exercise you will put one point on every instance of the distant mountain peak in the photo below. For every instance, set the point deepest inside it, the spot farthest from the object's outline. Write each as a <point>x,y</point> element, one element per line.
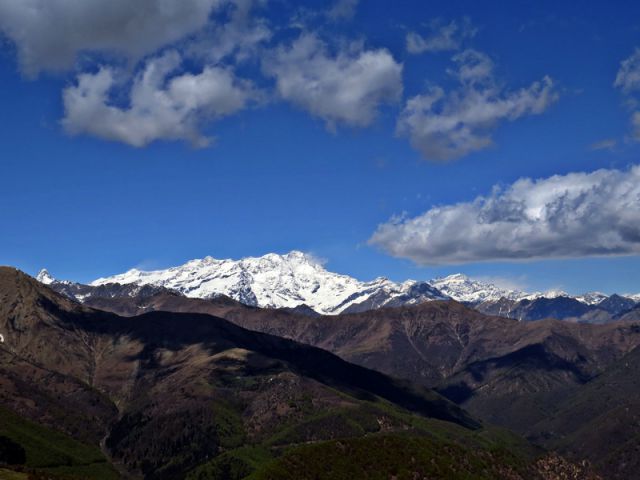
<point>277,281</point>
<point>591,298</point>
<point>464,289</point>
<point>296,279</point>
<point>45,277</point>
<point>633,296</point>
<point>553,293</point>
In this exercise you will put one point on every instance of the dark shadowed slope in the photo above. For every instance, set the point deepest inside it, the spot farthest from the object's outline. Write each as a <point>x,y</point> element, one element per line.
<point>632,315</point>
<point>600,421</point>
<point>560,308</point>
<point>506,371</point>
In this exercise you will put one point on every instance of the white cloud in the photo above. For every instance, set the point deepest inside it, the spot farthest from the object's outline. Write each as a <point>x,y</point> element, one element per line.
<point>442,37</point>
<point>563,216</point>
<point>239,37</point>
<point>628,80</point>
<point>519,283</point>
<point>160,107</point>
<point>628,77</point>
<point>444,126</point>
<point>606,144</point>
<point>346,87</point>
<point>50,33</point>
<point>343,9</point>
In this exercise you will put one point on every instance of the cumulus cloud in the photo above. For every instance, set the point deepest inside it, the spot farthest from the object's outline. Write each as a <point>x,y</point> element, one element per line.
<point>50,33</point>
<point>441,38</point>
<point>448,125</point>
<point>345,87</point>
<point>162,105</point>
<point>564,216</point>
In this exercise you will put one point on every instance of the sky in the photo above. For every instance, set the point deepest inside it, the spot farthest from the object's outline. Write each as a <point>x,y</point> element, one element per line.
<point>402,139</point>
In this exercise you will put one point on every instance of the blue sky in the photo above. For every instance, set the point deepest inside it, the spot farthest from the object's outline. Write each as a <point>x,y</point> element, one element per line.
<point>285,172</point>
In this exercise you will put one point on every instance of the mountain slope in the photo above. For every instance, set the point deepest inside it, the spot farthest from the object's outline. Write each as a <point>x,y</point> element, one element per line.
<point>52,451</point>
<point>632,315</point>
<point>169,392</point>
<point>502,370</point>
<point>561,308</point>
<point>487,364</point>
<point>601,420</point>
<point>616,304</point>
<point>410,458</point>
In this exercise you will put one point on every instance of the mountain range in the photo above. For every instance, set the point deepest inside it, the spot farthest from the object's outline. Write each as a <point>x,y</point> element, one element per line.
<point>489,364</point>
<point>278,281</point>
<point>520,375</point>
<point>299,281</point>
<point>88,393</point>
<point>147,349</point>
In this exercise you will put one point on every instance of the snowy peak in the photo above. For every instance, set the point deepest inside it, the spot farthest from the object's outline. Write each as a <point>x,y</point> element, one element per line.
<point>45,277</point>
<point>634,296</point>
<point>552,294</point>
<point>463,289</point>
<point>591,298</point>
<point>275,281</point>
<point>297,279</point>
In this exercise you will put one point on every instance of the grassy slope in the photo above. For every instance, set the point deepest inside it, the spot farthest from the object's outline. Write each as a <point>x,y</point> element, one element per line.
<point>379,457</point>
<point>6,474</point>
<point>54,452</point>
<point>372,430</point>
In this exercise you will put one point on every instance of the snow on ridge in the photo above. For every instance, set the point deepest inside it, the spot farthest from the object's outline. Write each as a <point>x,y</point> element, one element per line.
<point>591,298</point>
<point>633,296</point>
<point>464,289</point>
<point>297,278</point>
<point>45,277</point>
<point>273,280</point>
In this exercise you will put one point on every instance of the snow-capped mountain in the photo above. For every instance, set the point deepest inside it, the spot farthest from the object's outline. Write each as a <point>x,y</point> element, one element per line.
<point>81,292</point>
<point>45,277</point>
<point>297,280</point>
<point>616,304</point>
<point>554,293</point>
<point>591,298</point>
<point>464,289</point>
<point>278,281</point>
<point>635,297</point>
